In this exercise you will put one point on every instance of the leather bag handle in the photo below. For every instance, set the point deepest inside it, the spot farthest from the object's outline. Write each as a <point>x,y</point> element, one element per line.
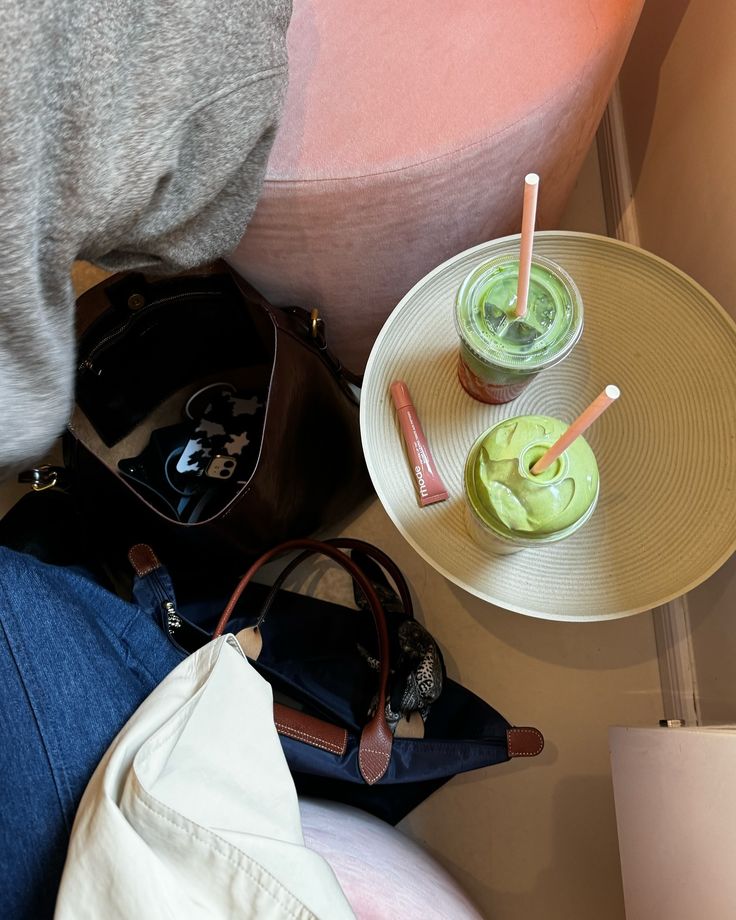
<point>368,549</point>
<point>376,740</point>
<point>311,328</point>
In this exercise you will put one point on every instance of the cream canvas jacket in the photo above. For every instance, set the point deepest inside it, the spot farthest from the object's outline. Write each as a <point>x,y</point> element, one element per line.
<point>192,812</point>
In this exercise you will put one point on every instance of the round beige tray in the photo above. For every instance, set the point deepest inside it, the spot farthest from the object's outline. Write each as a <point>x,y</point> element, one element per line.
<point>666,519</point>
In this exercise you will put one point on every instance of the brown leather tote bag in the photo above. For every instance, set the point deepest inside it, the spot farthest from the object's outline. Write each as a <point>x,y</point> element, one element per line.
<point>208,422</point>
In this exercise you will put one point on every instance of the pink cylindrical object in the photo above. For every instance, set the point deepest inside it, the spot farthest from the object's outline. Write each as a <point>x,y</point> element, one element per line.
<point>429,486</point>
<point>581,424</point>
<point>528,219</point>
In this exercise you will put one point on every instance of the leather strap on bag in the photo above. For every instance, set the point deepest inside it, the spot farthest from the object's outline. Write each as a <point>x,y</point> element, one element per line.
<point>376,740</point>
<point>311,328</point>
<point>368,549</point>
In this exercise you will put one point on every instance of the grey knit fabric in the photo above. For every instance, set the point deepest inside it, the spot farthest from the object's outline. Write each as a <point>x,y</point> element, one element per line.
<point>133,133</point>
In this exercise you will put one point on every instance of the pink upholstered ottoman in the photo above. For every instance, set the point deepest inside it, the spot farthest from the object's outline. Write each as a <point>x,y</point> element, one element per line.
<point>407,132</point>
<point>385,876</point>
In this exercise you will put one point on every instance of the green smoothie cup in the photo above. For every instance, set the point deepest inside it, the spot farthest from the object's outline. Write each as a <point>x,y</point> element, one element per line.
<point>508,508</point>
<point>501,353</point>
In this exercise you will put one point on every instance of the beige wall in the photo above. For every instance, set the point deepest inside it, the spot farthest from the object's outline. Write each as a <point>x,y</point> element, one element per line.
<point>678,87</point>
<point>713,618</point>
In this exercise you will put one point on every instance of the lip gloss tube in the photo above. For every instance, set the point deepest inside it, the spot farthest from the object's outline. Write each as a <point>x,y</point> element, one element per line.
<point>426,478</point>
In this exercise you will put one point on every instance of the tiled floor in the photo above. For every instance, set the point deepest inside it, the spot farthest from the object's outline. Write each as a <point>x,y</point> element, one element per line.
<point>529,839</point>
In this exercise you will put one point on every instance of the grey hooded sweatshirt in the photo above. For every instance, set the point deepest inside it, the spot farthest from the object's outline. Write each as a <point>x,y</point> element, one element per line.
<point>134,134</point>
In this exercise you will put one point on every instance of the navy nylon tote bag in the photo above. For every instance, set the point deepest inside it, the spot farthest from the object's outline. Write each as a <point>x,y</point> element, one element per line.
<point>339,677</point>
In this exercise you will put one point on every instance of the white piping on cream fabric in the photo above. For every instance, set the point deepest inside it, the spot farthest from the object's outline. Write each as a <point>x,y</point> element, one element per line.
<point>192,812</point>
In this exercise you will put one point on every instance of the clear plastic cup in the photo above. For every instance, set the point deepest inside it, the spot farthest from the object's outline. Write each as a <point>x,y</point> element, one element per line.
<point>501,353</point>
<point>508,508</point>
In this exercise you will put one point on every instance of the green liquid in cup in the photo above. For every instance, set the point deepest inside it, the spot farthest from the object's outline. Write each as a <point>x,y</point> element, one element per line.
<point>500,352</point>
<point>508,506</point>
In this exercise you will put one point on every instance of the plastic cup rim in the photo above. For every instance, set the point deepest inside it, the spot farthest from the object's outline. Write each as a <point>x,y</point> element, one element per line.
<point>530,367</point>
<point>520,539</point>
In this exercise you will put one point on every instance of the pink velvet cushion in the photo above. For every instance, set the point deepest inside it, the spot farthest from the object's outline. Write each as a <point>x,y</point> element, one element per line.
<point>406,134</point>
<point>382,872</point>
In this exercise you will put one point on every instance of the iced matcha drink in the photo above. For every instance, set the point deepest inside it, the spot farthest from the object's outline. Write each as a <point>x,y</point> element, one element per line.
<point>501,353</point>
<point>508,507</point>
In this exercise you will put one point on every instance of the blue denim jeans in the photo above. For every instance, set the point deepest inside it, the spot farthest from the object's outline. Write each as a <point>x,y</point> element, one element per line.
<point>75,663</point>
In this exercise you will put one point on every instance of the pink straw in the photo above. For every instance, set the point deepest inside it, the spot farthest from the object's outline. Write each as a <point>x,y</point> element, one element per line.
<point>528,217</point>
<point>581,423</point>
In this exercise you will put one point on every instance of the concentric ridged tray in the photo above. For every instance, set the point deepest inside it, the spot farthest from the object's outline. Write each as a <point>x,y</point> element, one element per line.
<point>666,518</point>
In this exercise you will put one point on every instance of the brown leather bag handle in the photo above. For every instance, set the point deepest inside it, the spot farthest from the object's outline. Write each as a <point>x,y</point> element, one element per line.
<point>368,549</point>
<point>376,740</point>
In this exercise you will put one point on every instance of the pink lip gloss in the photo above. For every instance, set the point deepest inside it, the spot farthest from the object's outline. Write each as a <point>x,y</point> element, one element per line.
<point>426,478</point>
